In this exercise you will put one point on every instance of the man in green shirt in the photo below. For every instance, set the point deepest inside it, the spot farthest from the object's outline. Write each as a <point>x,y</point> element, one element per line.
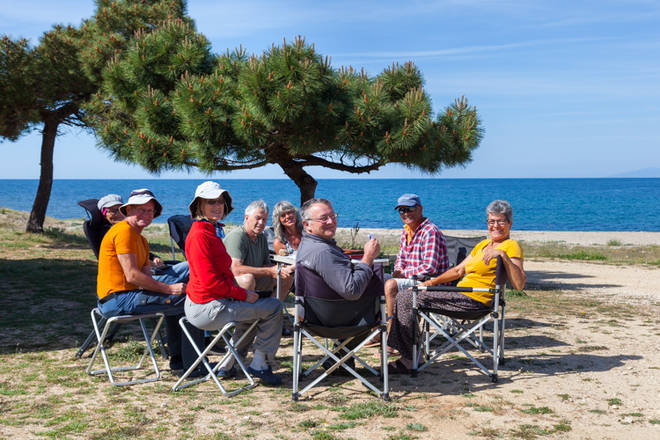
<point>248,248</point>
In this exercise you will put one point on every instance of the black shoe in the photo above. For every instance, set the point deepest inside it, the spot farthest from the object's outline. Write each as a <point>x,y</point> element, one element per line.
<point>286,332</point>
<point>176,363</point>
<point>267,376</point>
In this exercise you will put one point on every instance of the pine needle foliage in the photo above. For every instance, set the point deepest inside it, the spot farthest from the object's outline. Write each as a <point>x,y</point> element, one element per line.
<point>167,102</point>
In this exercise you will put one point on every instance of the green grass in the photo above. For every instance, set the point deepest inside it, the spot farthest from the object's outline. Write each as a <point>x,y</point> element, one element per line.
<point>365,410</point>
<point>611,253</point>
<point>539,410</point>
<point>614,402</point>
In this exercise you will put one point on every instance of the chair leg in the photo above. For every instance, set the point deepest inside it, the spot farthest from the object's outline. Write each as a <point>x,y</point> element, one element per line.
<point>100,348</point>
<point>202,358</point>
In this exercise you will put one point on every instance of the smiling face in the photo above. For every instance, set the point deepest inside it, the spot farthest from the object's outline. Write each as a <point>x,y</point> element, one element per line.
<point>499,227</point>
<point>113,214</point>
<point>213,209</point>
<point>140,216</point>
<point>255,223</point>
<point>288,219</point>
<point>322,221</point>
<point>411,216</point>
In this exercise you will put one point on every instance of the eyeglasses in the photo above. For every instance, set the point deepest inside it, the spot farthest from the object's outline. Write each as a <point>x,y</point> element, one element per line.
<point>213,202</point>
<point>113,210</point>
<point>325,218</point>
<point>497,222</point>
<point>405,210</point>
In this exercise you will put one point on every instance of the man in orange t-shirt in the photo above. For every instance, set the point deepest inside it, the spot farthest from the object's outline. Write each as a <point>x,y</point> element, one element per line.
<point>125,285</point>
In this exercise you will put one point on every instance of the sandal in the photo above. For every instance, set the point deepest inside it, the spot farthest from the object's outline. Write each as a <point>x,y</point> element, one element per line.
<point>397,367</point>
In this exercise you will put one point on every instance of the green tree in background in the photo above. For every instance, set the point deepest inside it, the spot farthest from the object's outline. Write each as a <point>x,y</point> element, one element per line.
<point>45,87</point>
<point>168,103</point>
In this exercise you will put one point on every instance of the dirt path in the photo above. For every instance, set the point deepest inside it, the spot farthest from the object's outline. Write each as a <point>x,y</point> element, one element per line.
<point>617,283</point>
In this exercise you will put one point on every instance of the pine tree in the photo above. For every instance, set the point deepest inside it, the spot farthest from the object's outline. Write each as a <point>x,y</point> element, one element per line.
<point>169,103</point>
<point>45,87</point>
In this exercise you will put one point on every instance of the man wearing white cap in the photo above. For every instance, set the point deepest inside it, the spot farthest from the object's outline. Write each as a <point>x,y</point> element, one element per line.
<point>125,285</point>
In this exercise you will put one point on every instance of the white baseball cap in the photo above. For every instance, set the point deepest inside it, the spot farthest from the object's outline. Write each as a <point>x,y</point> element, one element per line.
<point>210,190</point>
<point>140,197</point>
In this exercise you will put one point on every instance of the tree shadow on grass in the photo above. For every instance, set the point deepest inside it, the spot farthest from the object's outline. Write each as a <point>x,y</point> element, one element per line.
<point>66,239</point>
<point>45,303</point>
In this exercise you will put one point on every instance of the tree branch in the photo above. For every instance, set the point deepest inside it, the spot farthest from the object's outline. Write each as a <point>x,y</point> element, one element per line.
<point>317,161</point>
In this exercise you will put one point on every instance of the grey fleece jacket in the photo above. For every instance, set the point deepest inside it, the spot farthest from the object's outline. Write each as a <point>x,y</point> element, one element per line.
<point>327,259</point>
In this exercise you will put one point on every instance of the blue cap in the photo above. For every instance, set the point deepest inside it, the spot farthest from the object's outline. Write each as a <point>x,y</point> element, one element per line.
<point>408,200</point>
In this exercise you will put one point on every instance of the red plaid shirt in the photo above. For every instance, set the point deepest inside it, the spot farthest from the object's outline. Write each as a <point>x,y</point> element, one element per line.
<point>425,255</point>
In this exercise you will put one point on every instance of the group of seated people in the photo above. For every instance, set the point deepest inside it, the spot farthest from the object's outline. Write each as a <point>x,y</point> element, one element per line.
<point>231,278</point>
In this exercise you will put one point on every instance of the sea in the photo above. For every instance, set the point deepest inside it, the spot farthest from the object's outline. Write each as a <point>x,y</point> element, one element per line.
<point>607,204</point>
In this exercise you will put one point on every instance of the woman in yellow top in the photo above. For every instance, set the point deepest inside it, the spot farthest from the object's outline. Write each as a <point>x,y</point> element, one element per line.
<point>477,270</point>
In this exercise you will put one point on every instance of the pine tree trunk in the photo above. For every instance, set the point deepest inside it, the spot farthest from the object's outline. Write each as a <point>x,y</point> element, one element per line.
<point>305,183</point>
<point>38,214</point>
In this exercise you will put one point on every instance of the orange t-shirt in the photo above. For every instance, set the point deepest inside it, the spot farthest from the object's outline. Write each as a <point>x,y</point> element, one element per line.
<point>120,239</point>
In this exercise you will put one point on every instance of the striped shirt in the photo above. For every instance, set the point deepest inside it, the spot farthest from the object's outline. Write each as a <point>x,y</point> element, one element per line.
<point>425,255</point>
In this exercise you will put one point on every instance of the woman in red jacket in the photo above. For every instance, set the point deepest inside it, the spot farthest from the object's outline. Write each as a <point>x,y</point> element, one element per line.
<point>214,298</point>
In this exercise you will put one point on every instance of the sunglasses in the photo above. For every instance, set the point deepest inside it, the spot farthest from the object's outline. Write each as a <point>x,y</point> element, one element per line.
<point>405,210</point>
<point>213,202</point>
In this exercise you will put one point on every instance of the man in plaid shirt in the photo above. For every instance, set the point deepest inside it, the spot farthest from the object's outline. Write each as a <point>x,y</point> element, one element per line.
<point>422,249</point>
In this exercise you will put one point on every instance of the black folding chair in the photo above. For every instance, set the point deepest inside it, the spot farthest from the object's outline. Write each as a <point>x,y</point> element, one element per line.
<point>459,327</point>
<point>179,226</point>
<point>348,323</point>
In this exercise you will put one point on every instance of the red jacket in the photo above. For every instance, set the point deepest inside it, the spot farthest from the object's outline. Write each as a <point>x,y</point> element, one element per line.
<point>210,266</point>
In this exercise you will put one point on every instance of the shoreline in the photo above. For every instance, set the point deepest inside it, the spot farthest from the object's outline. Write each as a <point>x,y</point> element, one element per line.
<point>581,238</point>
<point>391,236</point>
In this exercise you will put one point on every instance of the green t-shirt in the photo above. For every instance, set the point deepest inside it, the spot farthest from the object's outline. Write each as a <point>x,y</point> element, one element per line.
<point>251,253</point>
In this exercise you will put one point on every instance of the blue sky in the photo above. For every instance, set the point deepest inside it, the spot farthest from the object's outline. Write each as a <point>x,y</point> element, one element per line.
<point>563,88</point>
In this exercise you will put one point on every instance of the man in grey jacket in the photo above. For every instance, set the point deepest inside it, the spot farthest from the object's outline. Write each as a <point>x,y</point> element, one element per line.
<point>319,252</point>
<point>343,279</point>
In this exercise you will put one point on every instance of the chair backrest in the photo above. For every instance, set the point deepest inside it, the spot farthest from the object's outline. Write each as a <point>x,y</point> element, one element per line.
<point>179,226</point>
<point>325,307</point>
<point>95,226</point>
<point>269,233</point>
<point>459,247</point>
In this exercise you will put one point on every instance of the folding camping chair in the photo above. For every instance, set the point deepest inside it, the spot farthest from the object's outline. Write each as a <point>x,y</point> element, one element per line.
<point>354,323</point>
<point>459,247</point>
<point>179,226</point>
<point>457,327</point>
<point>100,347</point>
<point>94,231</point>
<point>95,228</point>
<point>225,334</point>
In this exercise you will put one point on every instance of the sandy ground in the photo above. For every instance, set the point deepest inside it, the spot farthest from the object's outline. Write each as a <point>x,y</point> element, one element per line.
<point>595,371</point>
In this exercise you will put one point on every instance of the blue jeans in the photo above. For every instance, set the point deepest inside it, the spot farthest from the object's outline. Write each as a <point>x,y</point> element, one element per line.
<point>173,274</point>
<point>136,302</point>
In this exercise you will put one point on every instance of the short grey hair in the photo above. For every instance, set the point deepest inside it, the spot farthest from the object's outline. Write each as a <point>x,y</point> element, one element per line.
<point>500,207</point>
<point>281,208</point>
<point>309,203</point>
<point>253,206</point>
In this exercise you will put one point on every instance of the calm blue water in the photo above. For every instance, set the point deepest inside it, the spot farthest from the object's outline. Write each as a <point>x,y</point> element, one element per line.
<point>539,204</point>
